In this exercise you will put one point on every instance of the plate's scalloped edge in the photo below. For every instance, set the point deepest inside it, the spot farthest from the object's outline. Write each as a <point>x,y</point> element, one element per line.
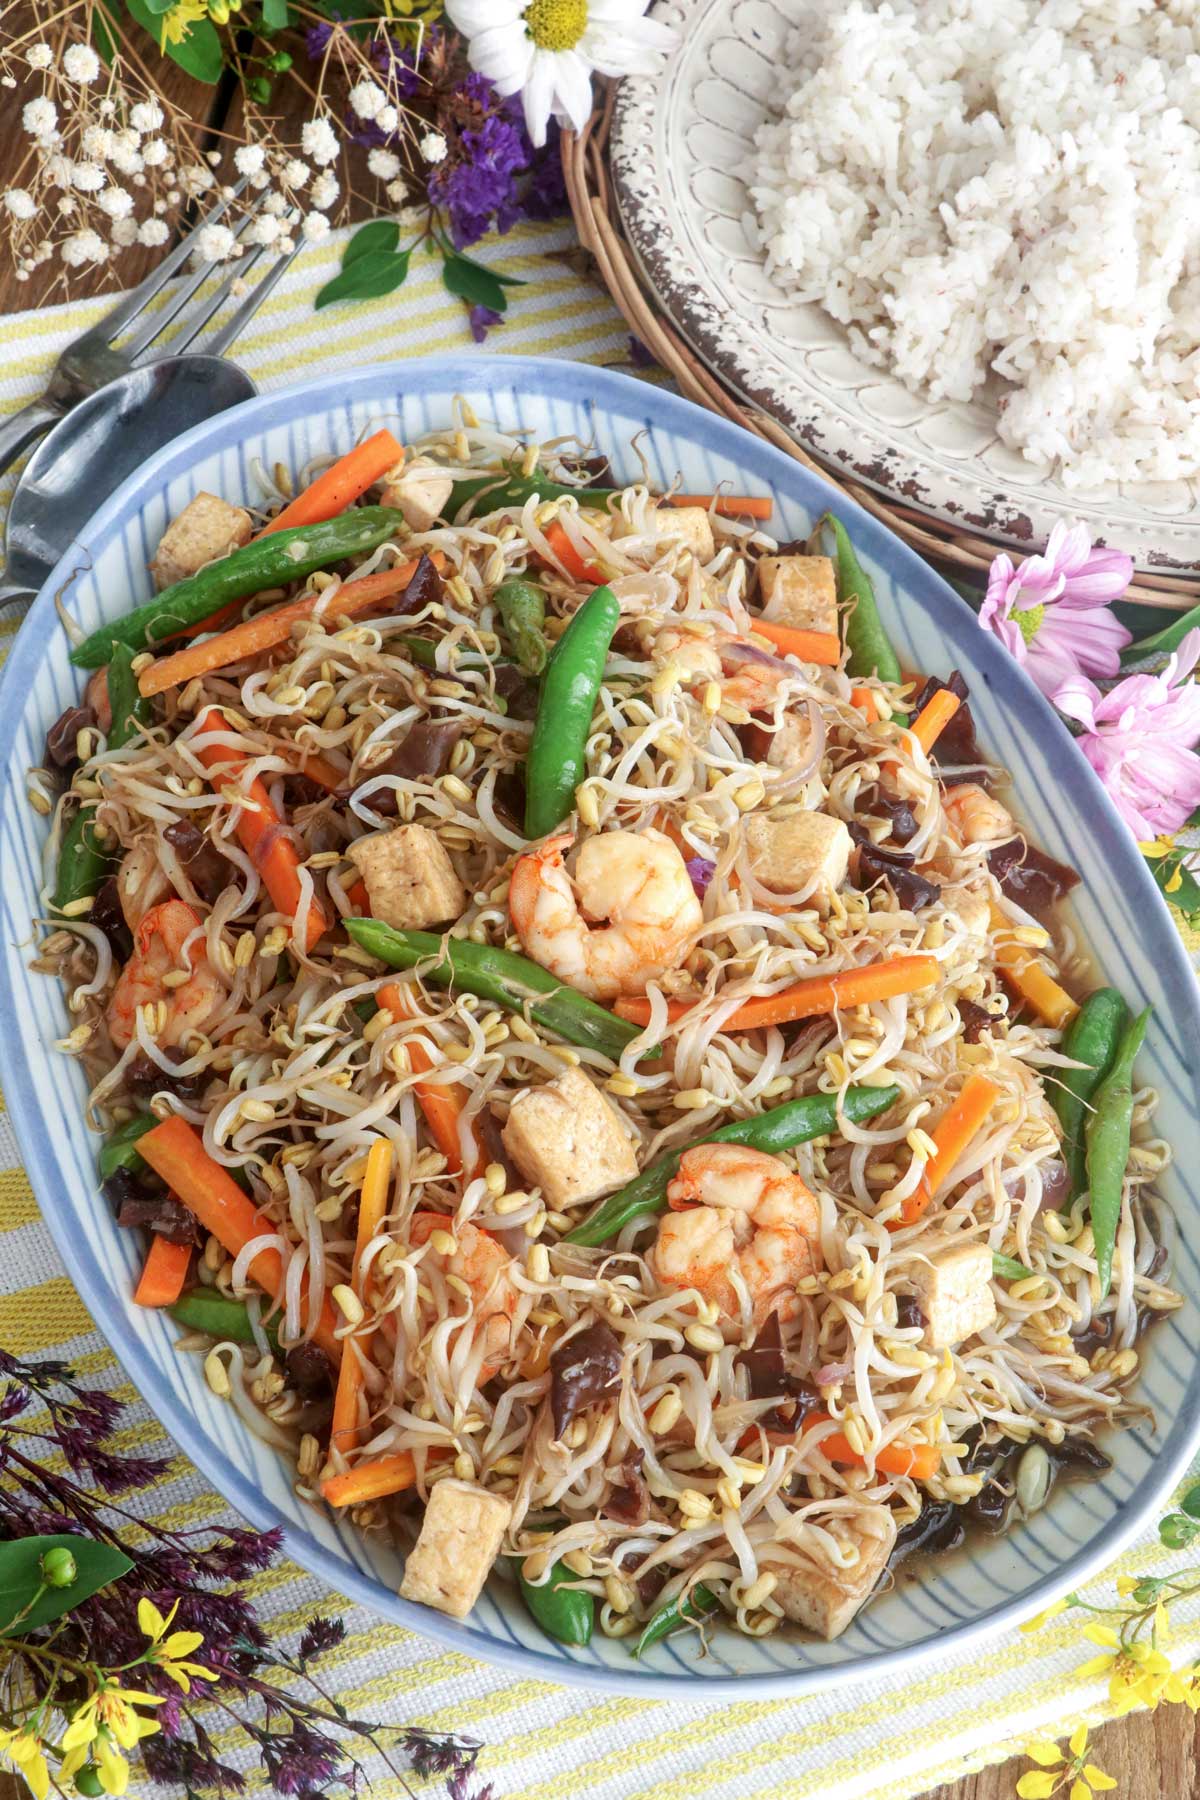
<point>652,204</point>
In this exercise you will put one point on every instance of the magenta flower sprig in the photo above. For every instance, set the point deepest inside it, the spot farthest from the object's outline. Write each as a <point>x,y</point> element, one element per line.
<point>1051,612</point>
<point>153,1664</point>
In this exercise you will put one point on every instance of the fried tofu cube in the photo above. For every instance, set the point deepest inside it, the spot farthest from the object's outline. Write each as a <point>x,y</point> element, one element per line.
<point>954,1292</point>
<point>410,879</point>
<point>789,854</point>
<point>971,912</point>
<point>419,492</point>
<point>459,1541</point>
<point>799,591</point>
<point>207,527</point>
<point>826,1603</point>
<point>693,525</point>
<point>568,1140</point>
<point>782,747</point>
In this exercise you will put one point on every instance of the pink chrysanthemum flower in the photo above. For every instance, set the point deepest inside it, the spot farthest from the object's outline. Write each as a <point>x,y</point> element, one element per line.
<point>1140,738</point>
<point>1051,613</point>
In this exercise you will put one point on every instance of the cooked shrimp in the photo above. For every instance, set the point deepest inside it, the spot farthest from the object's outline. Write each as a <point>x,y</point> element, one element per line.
<point>747,676</point>
<point>637,881</point>
<point>738,1209</point>
<point>95,695</point>
<point>486,1268</point>
<point>976,817</point>
<point>141,882</point>
<point>158,954</point>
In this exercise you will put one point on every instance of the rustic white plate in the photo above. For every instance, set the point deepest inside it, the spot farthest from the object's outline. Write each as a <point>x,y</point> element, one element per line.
<point>676,139</point>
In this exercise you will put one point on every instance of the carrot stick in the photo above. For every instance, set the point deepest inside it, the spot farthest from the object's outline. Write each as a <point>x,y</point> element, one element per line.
<point>918,1460</point>
<point>808,999</point>
<point>934,717</point>
<point>266,630</point>
<point>359,896</point>
<point>372,1204</point>
<point>442,1103</point>
<point>569,556</point>
<point>1023,971</point>
<point>260,828</point>
<point>864,699</point>
<point>726,506</point>
<point>163,1273</point>
<point>370,1480</point>
<point>214,622</point>
<point>174,1150</point>
<point>823,647</point>
<point>952,1135</point>
<point>340,485</point>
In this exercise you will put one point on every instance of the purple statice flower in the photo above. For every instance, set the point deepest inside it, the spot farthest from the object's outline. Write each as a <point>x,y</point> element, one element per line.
<point>545,195</point>
<point>1052,611</point>
<point>639,356</point>
<point>1141,739</point>
<point>481,319</point>
<point>700,871</point>
<point>400,61</point>
<point>478,187</point>
<point>316,38</point>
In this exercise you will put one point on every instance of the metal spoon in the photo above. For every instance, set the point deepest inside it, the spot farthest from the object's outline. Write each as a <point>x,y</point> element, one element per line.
<point>91,450</point>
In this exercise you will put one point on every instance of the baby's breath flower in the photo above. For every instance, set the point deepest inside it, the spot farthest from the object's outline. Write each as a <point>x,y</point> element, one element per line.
<point>295,172</point>
<point>196,179</point>
<point>275,205</point>
<point>80,63</point>
<point>97,142</point>
<point>315,227</point>
<point>396,192</point>
<point>39,117</point>
<point>387,118</point>
<point>384,163</point>
<point>116,202</point>
<point>88,177</point>
<point>367,100</point>
<point>433,147</point>
<point>124,232</point>
<point>248,159</point>
<point>126,161</point>
<point>58,169</point>
<point>264,230</point>
<point>215,244</point>
<point>146,115</point>
<point>156,152</point>
<point>318,140</point>
<point>152,232</point>
<point>20,203</point>
<point>324,191</point>
<point>39,56</point>
<point>81,247</point>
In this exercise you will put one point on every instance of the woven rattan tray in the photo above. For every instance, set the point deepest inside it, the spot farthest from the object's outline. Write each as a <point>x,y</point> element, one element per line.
<point>589,188</point>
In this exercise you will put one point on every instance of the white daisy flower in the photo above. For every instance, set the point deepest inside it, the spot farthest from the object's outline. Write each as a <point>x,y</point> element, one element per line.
<point>548,50</point>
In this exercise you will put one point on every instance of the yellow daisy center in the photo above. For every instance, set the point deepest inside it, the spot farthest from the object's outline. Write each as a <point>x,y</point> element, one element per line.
<point>1028,621</point>
<point>556,24</point>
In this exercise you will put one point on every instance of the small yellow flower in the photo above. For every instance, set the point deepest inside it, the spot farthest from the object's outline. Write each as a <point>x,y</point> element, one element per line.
<point>1058,1768</point>
<point>1051,1612</point>
<point>24,1749</point>
<point>1157,847</point>
<point>110,1709</point>
<point>1138,1675</point>
<point>178,20</point>
<point>1126,1583</point>
<point>168,1652</point>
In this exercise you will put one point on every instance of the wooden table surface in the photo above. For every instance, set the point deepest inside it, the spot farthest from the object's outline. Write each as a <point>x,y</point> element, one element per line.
<point>1154,1758</point>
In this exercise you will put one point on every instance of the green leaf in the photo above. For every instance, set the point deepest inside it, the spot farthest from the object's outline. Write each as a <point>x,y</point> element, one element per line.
<point>1191,1502</point>
<point>104,38</point>
<point>276,14</point>
<point>1161,643</point>
<point>504,280</point>
<point>20,1577</point>
<point>1177,884</point>
<point>478,286</point>
<point>158,7</point>
<point>199,55</point>
<point>379,238</point>
<point>368,278</point>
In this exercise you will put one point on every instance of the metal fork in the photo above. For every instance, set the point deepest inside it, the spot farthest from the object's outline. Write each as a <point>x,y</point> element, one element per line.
<point>93,359</point>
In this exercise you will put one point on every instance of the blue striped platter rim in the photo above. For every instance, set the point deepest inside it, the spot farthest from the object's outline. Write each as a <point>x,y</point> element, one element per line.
<point>944,1607</point>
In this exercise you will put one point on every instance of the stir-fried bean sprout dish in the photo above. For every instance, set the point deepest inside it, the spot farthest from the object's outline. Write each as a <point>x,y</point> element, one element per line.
<point>598,1071</point>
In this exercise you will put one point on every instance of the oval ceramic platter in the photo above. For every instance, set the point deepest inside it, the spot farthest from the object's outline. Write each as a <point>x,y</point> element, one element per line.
<point>940,1606</point>
<point>677,140</point>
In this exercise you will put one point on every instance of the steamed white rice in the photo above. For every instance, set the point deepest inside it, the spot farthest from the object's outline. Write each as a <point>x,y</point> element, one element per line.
<point>996,185</point>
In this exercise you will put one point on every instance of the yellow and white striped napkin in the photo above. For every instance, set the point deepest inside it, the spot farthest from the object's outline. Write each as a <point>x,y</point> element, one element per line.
<point>889,1739</point>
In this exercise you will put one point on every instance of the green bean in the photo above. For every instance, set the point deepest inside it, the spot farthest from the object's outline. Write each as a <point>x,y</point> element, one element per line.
<point>501,976</point>
<point>218,1316</point>
<point>556,759</point>
<point>1007,1268</point>
<point>870,647</point>
<point>522,606</point>
<point>498,490</point>
<point>669,1618</point>
<point>1108,1137</point>
<point>272,561</point>
<point>1091,1039</point>
<point>796,1122</point>
<point>565,1613</point>
<point>83,863</point>
<point>119,1149</point>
